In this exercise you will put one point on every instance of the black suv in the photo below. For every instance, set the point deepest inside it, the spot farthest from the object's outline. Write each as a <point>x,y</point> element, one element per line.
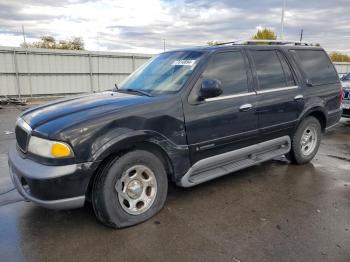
<point>188,116</point>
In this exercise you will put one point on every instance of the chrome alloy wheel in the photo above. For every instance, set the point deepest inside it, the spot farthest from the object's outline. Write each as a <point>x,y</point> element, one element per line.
<point>308,140</point>
<point>137,189</point>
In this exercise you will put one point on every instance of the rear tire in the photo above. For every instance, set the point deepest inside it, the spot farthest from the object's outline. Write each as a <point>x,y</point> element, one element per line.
<point>306,141</point>
<point>130,189</point>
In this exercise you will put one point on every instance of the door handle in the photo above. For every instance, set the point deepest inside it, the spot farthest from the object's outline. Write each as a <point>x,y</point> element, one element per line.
<point>298,97</point>
<point>245,107</point>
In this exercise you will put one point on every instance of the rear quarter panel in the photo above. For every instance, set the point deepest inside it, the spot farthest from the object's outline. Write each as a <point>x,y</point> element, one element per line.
<point>323,97</point>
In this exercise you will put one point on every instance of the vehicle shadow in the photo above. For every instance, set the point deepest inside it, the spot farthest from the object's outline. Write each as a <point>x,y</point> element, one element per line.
<point>62,235</point>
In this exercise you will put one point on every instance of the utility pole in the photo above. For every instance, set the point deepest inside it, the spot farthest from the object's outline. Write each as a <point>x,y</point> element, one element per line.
<point>282,19</point>
<point>24,36</point>
<point>27,60</point>
<point>98,61</point>
<point>164,45</point>
<point>301,35</point>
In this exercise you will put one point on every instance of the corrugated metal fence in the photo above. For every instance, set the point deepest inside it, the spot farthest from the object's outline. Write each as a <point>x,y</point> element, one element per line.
<point>342,68</point>
<point>33,72</point>
<point>45,72</point>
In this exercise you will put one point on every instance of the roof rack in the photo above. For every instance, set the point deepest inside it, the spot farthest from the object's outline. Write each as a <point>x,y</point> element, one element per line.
<point>267,42</point>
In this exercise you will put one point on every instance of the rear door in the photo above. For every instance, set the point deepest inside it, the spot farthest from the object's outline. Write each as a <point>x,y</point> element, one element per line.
<point>280,99</point>
<point>227,122</point>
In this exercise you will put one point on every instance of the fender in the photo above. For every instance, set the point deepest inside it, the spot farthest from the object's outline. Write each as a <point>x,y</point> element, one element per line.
<point>177,154</point>
<point>309,111</point>
<point>312,105</point>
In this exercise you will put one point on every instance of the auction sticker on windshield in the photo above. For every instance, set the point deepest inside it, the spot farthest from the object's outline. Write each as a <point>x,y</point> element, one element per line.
<point>183,62</point>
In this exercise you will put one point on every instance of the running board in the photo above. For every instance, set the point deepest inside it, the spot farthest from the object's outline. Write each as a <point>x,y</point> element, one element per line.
<point>223,164</point>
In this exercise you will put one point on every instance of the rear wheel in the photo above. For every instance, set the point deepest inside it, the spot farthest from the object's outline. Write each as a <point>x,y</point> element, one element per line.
<point>306,141</point>
<point>130,189</point>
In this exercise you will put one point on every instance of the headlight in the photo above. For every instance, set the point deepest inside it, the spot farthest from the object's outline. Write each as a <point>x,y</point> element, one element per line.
<point>48,148</point>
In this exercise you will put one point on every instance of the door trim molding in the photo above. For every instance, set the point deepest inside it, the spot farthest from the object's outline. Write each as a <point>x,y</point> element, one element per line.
<point>229,96</point>
<point>277,89</point>
<point>251,93</point>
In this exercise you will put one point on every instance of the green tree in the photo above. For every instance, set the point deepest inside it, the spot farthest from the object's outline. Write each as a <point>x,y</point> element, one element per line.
<point>265,34</point>
<point>339,57</point>
<point>212,43</point>
<point>49,42</point>
<point>77,43</point>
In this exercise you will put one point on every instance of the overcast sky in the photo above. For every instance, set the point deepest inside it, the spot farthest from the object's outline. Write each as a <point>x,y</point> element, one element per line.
<point>141,26</point>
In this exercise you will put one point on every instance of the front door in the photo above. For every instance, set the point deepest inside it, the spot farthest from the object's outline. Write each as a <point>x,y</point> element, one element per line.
<point>229,121</point>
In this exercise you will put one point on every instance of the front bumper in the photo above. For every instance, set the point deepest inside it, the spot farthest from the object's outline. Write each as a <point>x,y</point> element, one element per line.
<point>54,187</point>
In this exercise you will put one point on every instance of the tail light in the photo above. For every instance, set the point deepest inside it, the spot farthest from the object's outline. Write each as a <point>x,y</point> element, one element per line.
<point>341,95</point>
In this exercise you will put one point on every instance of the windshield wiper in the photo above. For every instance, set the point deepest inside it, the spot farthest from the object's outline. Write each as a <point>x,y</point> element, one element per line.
<point>136,91</point>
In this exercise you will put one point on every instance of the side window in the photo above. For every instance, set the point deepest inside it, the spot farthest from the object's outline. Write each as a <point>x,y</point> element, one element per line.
<point>229,68</point>
<point>287,71</point>
<point>269,69</point>
<point>316,65</point>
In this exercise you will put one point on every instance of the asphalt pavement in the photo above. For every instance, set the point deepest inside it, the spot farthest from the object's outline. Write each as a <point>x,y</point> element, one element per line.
<point>270,212</point>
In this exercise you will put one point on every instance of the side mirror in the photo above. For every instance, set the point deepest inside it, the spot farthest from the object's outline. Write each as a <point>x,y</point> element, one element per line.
<point>210,88</point>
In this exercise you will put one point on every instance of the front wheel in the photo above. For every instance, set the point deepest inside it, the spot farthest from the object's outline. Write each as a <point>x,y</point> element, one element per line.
<point>130,189</point>
<point>306,141</point>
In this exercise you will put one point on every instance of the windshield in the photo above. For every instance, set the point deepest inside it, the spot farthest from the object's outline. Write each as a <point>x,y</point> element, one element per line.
<point>346,77</point>
<point>165,73</point>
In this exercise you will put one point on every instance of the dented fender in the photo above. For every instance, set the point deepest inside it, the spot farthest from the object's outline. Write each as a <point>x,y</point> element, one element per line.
<point>178,155</point>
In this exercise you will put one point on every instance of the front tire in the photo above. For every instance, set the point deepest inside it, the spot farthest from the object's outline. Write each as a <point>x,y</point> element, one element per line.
<point>130,189</point>
<point>306,141</point>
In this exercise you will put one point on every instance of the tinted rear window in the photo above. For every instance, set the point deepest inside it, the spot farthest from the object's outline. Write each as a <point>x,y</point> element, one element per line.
<point>270,72</point>
<point>317,66</point>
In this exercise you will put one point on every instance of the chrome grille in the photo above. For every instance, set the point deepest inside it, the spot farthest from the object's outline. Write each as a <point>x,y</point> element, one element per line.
<point>22,138</point>
<point>22,132</point>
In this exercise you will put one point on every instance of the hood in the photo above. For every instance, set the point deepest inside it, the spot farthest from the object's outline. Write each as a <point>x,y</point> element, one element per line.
<point>98,103</point>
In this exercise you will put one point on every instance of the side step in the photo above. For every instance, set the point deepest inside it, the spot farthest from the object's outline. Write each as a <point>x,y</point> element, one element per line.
<point>223,164</point>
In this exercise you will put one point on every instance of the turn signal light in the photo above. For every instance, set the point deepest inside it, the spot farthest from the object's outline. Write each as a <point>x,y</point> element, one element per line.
<point>60,150</point>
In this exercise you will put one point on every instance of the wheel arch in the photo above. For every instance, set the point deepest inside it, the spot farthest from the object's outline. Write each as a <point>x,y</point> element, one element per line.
<point>317,112</point>
<point>122,147</point>
<point>321,117</point>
